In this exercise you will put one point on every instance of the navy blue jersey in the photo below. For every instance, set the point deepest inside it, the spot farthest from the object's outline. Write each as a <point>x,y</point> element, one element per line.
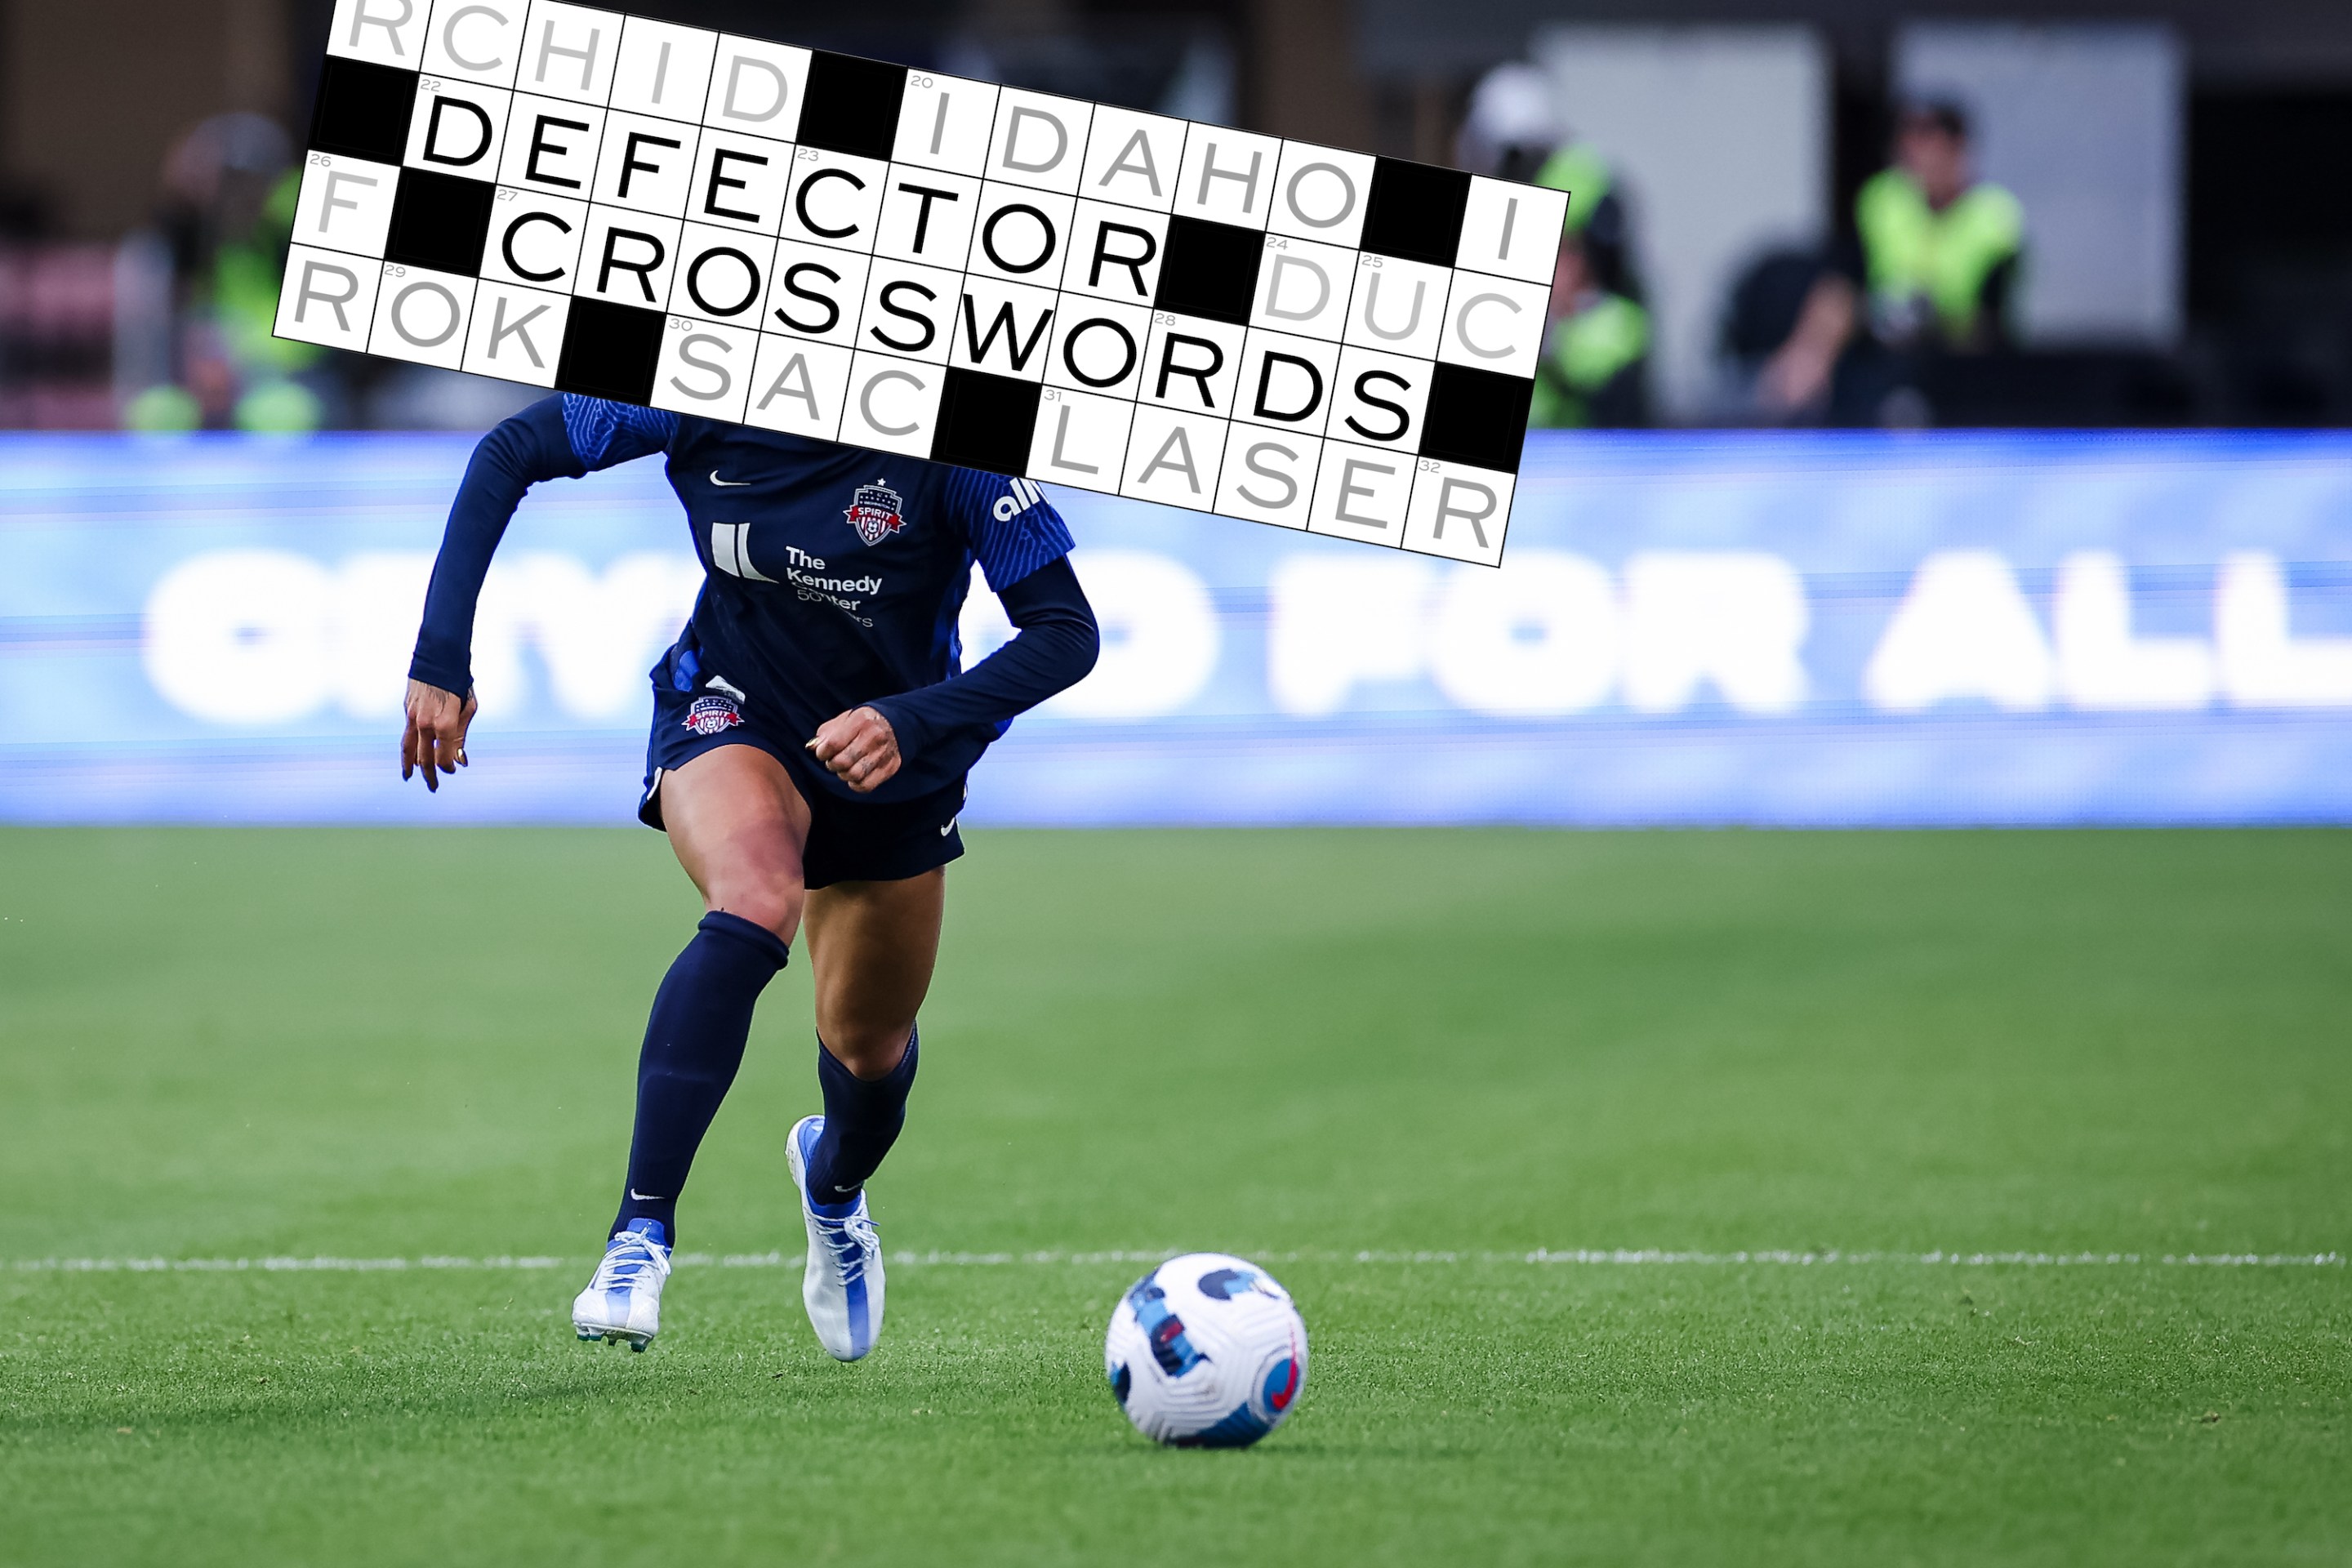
<point>834,576</point>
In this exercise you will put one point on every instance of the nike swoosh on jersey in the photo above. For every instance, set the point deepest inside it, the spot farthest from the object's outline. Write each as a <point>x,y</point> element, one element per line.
<point>729,484</point>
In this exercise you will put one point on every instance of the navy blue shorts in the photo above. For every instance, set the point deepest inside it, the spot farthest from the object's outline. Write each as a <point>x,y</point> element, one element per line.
<point>848,840</point>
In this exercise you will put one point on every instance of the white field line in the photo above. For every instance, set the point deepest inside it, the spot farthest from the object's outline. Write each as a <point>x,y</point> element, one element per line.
<point>1608,1258</point>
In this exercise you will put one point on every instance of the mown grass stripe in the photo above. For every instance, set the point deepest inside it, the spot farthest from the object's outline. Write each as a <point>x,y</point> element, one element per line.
<point>1620,1256</point>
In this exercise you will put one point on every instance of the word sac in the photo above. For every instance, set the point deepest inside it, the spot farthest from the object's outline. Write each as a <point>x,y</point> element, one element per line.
<point>839,249</point>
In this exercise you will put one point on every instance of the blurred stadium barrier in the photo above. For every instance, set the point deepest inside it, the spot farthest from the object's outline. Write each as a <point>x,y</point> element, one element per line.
<point>1818,629</point>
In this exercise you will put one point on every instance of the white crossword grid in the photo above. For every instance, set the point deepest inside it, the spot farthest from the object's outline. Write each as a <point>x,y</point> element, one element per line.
<point>835,247</point>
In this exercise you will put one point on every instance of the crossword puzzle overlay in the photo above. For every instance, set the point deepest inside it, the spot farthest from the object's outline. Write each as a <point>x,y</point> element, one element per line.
<point>840,249</point>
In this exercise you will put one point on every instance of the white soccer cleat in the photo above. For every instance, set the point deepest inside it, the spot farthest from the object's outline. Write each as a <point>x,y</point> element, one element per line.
<point>843,1283</point>
<point>623,1302</point>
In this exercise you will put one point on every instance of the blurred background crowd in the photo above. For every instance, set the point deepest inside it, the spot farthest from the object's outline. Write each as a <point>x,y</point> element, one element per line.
<point>1785,212</point>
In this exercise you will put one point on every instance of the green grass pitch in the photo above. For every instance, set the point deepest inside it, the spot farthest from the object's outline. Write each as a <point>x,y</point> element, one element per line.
<point>1302,1047</point>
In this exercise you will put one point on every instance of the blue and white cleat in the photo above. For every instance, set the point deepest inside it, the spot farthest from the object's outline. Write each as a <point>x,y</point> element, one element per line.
<point>843,1284</point>
<point>623,1302</point>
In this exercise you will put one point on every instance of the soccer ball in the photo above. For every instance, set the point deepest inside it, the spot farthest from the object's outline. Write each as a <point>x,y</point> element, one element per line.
<point>1206,1351</point>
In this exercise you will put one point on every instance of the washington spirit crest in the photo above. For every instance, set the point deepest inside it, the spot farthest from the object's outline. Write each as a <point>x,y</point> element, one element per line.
<point>710,715</point>
<point>874,512</point>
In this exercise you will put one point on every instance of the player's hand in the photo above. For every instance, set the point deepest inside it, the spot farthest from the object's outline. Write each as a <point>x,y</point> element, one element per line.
<point>1795,378</point>
<point>860,746</point>
<point>435,737</point>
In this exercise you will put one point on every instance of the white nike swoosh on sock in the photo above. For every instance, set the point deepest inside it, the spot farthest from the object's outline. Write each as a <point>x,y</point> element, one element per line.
<point>730,484</point>
<point>637,1196</point>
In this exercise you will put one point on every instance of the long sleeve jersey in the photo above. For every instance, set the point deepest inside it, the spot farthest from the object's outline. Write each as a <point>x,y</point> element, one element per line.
<point>834,576</point>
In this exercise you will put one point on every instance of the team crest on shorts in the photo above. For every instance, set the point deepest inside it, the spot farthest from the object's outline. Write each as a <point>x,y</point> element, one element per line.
<point>710,715</point>
<point>874,512</point>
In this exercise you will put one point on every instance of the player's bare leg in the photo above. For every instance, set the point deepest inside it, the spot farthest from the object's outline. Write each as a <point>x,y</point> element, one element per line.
<point>872,945</point>
<point>738,824</point>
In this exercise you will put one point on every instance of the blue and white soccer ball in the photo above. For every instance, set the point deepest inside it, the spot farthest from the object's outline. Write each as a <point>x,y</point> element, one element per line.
<point>1206,1351</point>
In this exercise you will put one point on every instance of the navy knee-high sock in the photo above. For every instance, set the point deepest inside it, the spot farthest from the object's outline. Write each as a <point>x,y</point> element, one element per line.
<point>862,1119</point>
<point>694,1043</point>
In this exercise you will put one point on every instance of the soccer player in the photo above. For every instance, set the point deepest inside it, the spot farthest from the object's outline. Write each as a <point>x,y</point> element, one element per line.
<point>810,734</point>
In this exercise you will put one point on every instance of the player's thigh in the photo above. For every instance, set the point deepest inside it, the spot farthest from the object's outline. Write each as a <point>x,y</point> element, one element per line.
<point>871,947</point>
<point>739,827</point>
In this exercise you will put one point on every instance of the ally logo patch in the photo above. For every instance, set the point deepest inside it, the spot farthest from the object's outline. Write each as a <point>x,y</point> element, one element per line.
<point>874,512</point>
<point>710,715</point>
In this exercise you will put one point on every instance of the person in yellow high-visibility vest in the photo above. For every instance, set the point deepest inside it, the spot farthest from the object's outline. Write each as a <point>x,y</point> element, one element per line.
<point>1940,247</point>
<point>1597,343</point>
<point>246,271</point>
<point>1597,336</point>
<point>1935,261</point>
<point>229,217</point>
<point>1596,351</point>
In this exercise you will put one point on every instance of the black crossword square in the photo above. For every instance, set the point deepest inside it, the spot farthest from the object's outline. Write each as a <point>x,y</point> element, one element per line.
<point>610,351</point>
<point>1210,269</point>
<point>362,109</point>
<point>439,221</point>
<point>1476,417</point>
<point>985,422</point>
<point>1416,211</point>
<point>851,105</point>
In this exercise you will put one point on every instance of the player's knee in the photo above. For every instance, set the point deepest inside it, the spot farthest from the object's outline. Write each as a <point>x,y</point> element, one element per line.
<point>774,905</point>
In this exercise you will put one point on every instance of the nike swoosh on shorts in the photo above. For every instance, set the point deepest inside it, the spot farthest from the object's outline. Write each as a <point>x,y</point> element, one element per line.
<point>730,484</point>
